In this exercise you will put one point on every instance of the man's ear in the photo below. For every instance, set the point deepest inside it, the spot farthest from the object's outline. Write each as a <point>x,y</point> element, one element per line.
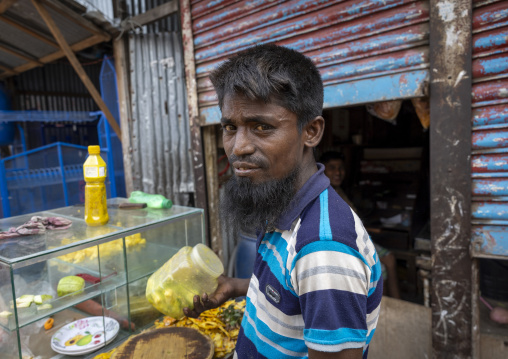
<point>313,132</point>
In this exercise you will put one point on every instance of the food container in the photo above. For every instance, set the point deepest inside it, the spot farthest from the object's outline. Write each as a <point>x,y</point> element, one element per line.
<point>191,271</point>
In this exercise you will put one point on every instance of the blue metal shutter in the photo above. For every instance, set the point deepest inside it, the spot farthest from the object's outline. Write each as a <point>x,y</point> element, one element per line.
<point>367,51</point>
<point>489,160</point>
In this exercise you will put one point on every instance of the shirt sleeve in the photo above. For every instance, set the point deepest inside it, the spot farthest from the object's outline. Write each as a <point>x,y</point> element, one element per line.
<point>332,280</point>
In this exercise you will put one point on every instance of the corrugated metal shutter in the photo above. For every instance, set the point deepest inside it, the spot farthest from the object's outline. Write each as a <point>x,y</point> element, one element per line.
<point>490,128</point>
<point>161,159</point>
<point>367,51</point>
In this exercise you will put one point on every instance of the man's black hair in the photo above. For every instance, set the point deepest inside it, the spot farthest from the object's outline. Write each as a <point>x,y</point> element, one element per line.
<point>273,74</point>
<point>331,155</point>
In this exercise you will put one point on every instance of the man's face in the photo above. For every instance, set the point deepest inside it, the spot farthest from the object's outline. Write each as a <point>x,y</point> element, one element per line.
<point>261,139</point>
<point>335,170</point>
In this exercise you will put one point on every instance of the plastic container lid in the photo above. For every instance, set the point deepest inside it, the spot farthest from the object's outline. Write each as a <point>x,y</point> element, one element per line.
<point>207,260</point>
<point>94,150</point>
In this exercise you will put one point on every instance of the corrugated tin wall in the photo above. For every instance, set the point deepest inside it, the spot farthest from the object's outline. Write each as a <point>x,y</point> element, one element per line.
<point>367,51</point>
<point>55,87</point>
<point>105,7</point>
<point>170,23</point>
<point>490,128</point>
<point>160,126</point>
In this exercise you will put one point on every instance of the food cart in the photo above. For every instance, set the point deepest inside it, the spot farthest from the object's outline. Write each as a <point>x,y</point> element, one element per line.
<point>115,260</point>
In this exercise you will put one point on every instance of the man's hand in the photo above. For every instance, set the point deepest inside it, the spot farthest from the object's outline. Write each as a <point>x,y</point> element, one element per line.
<point>344,354</point>
<point>227,288</point>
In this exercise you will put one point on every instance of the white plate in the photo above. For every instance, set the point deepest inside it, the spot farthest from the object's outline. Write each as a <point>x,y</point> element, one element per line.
<point>84,351</point>
<point>67,339</point>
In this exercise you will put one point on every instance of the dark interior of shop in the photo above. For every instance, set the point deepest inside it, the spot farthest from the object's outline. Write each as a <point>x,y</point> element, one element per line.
<point>387,171</point>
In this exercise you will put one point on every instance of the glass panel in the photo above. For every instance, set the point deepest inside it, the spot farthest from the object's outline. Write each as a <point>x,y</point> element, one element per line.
<point>154,237</point>
<point>142,313</point>
<point>79,327</point>
<point>47,241</point>
<point>50,241</point>
<point>195,230</point>
<point>8,334</point>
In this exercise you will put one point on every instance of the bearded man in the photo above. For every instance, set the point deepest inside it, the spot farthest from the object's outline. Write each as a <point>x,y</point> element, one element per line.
<point>316,286</point>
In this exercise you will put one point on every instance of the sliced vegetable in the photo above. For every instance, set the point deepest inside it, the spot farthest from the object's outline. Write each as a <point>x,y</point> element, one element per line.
<point>49,324</point>
<point>39,299</point>
<point>45,306</point>
<point>25,300</point>
<point>5,314</point>
<point>70,284</point>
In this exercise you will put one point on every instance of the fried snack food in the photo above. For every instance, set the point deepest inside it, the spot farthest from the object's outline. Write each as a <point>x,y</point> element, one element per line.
<point>221,324</point>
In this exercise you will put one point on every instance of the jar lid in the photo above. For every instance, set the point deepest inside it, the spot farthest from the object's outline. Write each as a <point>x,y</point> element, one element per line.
<point>94,150</point>
<point>207,260</point>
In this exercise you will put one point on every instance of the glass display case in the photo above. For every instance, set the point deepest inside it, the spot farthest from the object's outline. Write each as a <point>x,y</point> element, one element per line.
<point>114,261</point>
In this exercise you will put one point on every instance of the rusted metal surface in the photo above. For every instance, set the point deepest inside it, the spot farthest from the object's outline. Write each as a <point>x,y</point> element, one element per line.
<point>490,42</point>
<point>490,139</point>
<point>201,8</point>
<point>350,42</point>
<point>450,148</point>
<point>490,186</point>
<point>315,31</point>
<point>491,210</point>
<point>489,163</point>
<point>490,66</point>
<point>402,85</point>
<point>491,240</point>
<point>490,93</point>
<point>384,43</point>
<point>490,17</point>
<point>490,116</point>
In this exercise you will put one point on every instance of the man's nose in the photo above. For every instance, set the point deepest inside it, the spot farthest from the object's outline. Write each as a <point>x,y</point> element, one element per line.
<point>243,144</point>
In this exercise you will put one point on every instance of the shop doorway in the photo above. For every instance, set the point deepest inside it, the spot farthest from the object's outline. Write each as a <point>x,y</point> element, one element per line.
<point>385,150</point>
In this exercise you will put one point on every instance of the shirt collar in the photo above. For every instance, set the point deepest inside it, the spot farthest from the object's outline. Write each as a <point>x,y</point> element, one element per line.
<point>316,184</point>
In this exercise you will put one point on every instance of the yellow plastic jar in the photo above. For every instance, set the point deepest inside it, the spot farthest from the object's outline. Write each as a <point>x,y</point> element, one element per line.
<point>191,271</point>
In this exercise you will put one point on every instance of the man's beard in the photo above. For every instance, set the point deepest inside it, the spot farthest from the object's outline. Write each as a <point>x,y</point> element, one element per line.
<point>248,207</point>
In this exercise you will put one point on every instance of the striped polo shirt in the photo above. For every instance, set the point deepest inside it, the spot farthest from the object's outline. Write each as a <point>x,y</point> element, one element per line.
<point>316,281</point>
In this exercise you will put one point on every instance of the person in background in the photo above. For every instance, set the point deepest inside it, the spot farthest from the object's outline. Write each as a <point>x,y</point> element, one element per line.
<point>316,287</point>
<point>335,169</point>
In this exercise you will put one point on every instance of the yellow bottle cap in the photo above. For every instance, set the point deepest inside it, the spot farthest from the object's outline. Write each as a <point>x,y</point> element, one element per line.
<point>94,150</point>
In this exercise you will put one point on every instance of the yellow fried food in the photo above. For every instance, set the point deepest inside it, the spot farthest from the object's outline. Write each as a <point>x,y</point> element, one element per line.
<point>106,355</point>
<point>211,324</point>
<point>106,249</point>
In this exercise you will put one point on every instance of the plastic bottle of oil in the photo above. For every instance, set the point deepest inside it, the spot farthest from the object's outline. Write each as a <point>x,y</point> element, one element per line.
<point>94,171</point>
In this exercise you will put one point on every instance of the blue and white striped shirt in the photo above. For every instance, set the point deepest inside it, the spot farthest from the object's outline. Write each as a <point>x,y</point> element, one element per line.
<point>316,282</point>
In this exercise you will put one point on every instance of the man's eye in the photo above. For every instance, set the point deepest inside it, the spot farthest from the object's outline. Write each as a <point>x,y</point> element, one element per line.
<point>228,128</point>
<point>263,127</point>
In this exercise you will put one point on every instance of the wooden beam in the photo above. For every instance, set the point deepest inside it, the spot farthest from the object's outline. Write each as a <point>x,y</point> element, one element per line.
<point>77,66</point>
<point>152,15</point>
<point>120,52</point>
<point>8,70</point>
<point>20,55</point>
<point>5,5</point>
<point>450,177</point>
<point>77,19</point>
<point>212,183</point>
<point>28,31</point>
<point>192,103</point>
